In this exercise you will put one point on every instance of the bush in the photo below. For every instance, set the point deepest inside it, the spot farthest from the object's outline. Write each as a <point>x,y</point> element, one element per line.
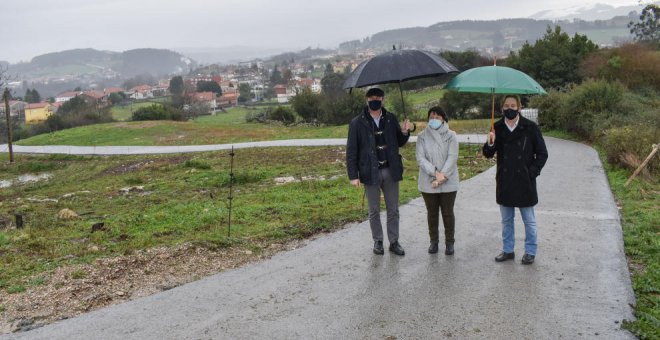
<point>549,107</point>
<point>258,117</point>
<point>343,109</point>
<point>282,114</point>
<point>158,112</point>
<point>461,105</point>
<point>628,146</point>
<point>308,105</point>
<point>635,65</point>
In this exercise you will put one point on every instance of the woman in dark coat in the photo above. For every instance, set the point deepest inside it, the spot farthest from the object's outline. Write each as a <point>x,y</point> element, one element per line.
<point>521,154</point>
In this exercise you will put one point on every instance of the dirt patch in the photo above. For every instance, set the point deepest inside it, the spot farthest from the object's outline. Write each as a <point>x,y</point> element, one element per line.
<point>73,290</point>
<point>142,165</point>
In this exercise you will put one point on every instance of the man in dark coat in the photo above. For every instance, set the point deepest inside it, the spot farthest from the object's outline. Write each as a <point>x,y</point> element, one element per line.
<point>521,154</point>
<point>372,157</point>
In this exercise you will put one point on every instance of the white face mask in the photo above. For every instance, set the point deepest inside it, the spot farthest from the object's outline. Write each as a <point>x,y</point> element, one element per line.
<point>435,124</point>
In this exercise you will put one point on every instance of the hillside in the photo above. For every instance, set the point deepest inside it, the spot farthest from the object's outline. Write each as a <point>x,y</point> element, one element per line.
<point>103,64</point>
<point>491,35</point>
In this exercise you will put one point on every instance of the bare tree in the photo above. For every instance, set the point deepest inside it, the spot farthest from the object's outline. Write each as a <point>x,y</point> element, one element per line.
<point>4,82</point>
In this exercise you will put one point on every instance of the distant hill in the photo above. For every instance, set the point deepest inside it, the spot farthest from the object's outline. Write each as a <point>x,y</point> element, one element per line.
<point>91,63</point>
<point>589,13</point>
<point>500,35</point>
<point>303,54</point>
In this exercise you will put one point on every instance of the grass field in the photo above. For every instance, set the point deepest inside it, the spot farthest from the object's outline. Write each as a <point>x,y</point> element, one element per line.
<point>640,220</point>
<point>222,128</point>
<point>149,201</point>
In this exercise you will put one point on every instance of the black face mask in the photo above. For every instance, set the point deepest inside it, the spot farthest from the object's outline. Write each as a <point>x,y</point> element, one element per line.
<point>375,105</point>
<point>510,114</point>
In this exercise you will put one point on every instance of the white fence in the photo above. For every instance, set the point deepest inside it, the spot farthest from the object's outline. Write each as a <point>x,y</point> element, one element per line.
<point>531,114</point>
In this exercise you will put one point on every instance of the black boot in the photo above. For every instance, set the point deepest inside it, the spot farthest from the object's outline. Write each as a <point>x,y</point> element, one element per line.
<point>449,248</point>
<point>433,248</point>
<point>397,249</point>
<point>505,256</point>
<point>378,248</point>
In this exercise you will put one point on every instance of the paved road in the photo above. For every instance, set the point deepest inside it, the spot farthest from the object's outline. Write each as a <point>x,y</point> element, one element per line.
<point>335,288</point>
<point>142,150</point>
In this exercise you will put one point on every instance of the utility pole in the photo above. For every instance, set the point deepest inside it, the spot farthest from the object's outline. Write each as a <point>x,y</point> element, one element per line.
<point>5,96</point>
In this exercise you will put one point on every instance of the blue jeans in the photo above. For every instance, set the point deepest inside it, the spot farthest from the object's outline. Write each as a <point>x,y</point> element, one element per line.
<point>508,230</point>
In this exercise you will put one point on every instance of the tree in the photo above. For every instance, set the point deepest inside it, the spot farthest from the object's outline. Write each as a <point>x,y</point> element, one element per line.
<point>276,76</point>
<point>466,59</point>
<point>287,75</point>
<point>209,86</point>
<point>116,97</point>
<point>648,27</point>
<point>245,92</point>
<point>341,110</point>
<point>176,89</point>
<point>554,60</point>
<point>332,85</point>
<point>32,96</point>
<point>307,104</point>
<point>328,70</point>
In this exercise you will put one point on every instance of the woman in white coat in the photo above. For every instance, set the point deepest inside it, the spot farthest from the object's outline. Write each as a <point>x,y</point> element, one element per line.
<point>437,156</point>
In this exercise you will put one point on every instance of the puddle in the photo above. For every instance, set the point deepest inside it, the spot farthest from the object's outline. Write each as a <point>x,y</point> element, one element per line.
<point>27,178</point>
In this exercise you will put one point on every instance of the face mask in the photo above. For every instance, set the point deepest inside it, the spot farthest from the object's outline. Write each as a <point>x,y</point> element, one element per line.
<point>375,105</point>
<point>510,114</point>
<point>435,124</point>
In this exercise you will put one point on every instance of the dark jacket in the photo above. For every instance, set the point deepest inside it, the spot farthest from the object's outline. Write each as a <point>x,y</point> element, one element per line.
<point>361,158</point>
<point>521,155</point>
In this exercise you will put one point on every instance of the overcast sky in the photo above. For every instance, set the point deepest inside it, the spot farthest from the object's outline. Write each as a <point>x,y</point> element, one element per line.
<point>34,27</point>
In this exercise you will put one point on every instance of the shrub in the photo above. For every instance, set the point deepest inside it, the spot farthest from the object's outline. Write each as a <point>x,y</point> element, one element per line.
<point>588,108</point>
<point>258,117</point>
<point>629,145</point>
<point>282,114</point>
<point>550,108</point>
<point>343,108</point>
<point>635,65</point>
<point>307,104</point>
<point>158,112</point>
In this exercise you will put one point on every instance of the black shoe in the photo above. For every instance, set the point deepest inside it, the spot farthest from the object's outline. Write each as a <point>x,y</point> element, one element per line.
<point>378,248</point>
<point>449,248</point>
<point>505,256</point>
<point>527,259</point>
<point>433,248</point>
<point>397,249</point>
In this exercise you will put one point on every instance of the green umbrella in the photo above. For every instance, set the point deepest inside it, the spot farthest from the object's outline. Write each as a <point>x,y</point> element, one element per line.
<point>495,80</point>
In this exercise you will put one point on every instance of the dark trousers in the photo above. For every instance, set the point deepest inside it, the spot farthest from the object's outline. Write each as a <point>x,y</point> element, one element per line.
<point>390,189</point>
<point>440,202</point>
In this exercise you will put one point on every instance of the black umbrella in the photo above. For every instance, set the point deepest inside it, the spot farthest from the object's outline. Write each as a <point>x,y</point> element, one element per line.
<point>396,67</point>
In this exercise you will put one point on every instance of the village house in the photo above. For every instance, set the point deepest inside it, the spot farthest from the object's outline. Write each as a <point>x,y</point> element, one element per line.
<point>312,84</point>
<point>66,96</point>
<point>110,90</point>
<point>38,112</point>
<point>140,92</point>
<point>283,94</point>
<point>93,97</point>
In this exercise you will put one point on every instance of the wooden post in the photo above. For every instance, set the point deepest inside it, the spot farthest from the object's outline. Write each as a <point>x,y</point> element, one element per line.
<point>641,166</point>
<point>5,96</point>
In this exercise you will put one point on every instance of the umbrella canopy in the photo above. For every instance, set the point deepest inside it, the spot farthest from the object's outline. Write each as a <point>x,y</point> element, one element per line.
<point>397,66</point>
<point>495,79</point>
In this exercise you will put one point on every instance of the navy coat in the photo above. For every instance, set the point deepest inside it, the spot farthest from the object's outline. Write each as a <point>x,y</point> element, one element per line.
<point>361,158</point>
